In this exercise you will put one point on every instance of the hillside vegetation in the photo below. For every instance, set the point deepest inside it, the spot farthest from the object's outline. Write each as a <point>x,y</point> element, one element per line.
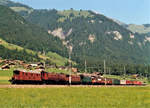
<point>15,30</point>
<point>15,52</point>
<point>93,36</point>
<point>24,41</point>
<point>145,28</point>
<point>71,14</point>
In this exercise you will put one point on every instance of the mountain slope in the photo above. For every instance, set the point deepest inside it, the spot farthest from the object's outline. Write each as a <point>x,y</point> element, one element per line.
<point>11,51</point>
<point>93,36</point>
<point>21,34</point>
<point>14,29</point>
<point>14,52</point>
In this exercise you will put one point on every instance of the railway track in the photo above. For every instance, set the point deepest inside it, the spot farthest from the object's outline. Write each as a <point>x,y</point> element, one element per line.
<point>60,86</point>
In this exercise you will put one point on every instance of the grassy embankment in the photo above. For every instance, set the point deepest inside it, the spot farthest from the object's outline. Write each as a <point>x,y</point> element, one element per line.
<point>75,97</point>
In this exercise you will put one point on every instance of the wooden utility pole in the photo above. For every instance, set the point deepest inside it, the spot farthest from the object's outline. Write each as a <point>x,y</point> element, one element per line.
<point>70,68</point>
<point>44,60</point>
<point>70,51</point>
<point>85,67</point>
<point>124,70</point>
<point>104,67</point>
<point>105,70</point>
<point>109,71</point>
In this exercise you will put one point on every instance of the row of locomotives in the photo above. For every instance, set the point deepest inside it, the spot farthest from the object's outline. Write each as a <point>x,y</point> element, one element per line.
<point>42,77</point>
<point>24,77</point>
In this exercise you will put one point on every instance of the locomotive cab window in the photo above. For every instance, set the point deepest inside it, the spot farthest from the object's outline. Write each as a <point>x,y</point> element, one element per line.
<point>16,72</point>
<point>67,75</point>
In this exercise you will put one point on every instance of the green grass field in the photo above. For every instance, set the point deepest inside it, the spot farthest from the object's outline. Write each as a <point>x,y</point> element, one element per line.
<point>75,97</point>
<point>5,76</point>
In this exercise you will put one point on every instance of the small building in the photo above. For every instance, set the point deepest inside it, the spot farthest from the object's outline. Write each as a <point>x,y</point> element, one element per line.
<point>40,64</point>
<point>34,65</point>
<point>63,68</point>
<point>12,64</point>
<point>1,60</point>
<point>0,41</point>
<point>5,67</point>
<point>40,67</point>
<point>135,76</point>
<point>75,70</point>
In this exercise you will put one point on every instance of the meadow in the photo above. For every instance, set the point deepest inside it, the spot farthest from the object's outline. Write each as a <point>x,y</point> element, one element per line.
<point>75,97</point>
<point>5,76</point>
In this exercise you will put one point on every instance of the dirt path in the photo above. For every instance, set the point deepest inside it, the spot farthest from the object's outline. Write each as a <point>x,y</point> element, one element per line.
<point>59,86</point>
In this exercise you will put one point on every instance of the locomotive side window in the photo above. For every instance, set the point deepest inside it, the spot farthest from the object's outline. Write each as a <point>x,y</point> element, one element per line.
<point>16,72</point>
<point>67,75</point>
<point>31,74</point>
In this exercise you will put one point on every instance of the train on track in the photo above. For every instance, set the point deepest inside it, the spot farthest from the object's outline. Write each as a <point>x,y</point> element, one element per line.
<point>34,77</point>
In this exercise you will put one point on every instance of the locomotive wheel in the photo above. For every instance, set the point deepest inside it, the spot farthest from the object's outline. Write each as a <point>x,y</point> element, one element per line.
<point>13,82</point>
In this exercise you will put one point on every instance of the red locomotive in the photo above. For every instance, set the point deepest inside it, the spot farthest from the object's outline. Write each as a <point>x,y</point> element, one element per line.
<point>26,77</point>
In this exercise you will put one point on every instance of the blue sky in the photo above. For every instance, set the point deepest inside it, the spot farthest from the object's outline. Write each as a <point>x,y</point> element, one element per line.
<point>128,11</point>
